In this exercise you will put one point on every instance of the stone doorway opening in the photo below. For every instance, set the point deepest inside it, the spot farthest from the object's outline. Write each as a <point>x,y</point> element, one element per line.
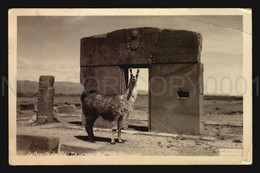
<point>140,117</point>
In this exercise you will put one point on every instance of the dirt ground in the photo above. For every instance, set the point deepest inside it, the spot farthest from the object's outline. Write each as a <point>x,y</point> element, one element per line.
<point>222,120</point>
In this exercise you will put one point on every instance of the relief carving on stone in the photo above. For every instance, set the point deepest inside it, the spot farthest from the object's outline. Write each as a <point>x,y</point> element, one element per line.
<point>134,41</point>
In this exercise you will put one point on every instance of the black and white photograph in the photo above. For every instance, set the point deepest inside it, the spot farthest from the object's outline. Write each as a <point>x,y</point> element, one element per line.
<point>130,86</point>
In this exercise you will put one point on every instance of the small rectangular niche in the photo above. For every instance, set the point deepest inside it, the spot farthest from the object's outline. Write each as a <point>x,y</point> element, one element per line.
<point>183,94</point>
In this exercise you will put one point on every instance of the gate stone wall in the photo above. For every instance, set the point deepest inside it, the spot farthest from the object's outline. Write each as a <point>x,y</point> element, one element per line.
<point>175,72</point>
<point>175,97</point>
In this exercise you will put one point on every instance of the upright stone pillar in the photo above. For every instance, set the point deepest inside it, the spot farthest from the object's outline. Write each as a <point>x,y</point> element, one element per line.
<point>45,99</point>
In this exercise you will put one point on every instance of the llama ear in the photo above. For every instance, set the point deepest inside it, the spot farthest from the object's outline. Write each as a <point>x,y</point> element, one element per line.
<point>131,70</point>
<point>137,72</point>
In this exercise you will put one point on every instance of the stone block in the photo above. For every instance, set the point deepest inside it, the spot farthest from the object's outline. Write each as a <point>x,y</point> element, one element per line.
<point>201,72</point>
<point>119,47</point>
<point>141,49</point>
<point>175,98</point>
<point>178,46</point>
<point>46,81</point>
<point>79,147</point>
<point>24,106</point>
<point>33,119</point>
<point>67,109</point>
<point>140,46</point>
<point>45,99</point>
<point>107,80</point>
<point>28,144</point>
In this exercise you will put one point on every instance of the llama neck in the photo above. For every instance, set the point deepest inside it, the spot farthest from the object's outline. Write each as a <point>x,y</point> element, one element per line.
<point>130,92</point>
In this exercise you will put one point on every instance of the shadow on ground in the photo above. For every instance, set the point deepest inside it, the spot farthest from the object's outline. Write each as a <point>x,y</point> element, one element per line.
<point>78,123</point>
<point>133,127</point>
<point>97,139</point>
<point>138,128</point>
<point>100,139</point>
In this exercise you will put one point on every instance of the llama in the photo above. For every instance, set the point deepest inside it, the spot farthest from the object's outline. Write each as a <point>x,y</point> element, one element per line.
<point>114,108</point>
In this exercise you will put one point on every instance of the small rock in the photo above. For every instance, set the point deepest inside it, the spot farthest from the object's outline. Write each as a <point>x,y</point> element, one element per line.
<point>237,141</point>
<point>26,106</point>
<point>182,138</point>
<point>222,138</point>
<point>20,112</point>
<point>55,119</point>
<point>55,110</point>
<point>197,143</point>
<point>208,138</point>
<point>78,105</point>
<point>33,119</point>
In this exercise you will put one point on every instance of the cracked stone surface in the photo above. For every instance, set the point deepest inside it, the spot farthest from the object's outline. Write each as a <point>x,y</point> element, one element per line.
<point>153,45</point>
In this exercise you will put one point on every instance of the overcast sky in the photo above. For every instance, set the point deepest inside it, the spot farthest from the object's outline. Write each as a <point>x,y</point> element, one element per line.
<point>49,45</point>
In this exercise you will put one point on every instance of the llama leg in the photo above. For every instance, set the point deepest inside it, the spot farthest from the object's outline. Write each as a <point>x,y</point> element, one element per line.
<point>114,128</point>
<point>119,136</point>
<point>89,128</point>
<point>113,136</point>
<point>119,127</point>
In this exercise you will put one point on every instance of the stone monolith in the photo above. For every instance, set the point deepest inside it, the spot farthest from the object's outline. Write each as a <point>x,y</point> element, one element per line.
<point>45,99</point>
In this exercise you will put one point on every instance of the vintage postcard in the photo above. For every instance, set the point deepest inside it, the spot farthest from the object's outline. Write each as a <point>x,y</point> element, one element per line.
<point>130,86</point>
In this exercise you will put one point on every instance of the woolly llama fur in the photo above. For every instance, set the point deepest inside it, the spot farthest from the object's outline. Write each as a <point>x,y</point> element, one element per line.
<point>114,108</point>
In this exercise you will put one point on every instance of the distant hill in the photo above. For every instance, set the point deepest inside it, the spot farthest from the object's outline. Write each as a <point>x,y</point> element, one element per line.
<point>206,97</point>
<point>30,88</point>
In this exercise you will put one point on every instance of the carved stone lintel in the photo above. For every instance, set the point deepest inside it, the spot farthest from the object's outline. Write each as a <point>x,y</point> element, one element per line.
<point>134,41</point>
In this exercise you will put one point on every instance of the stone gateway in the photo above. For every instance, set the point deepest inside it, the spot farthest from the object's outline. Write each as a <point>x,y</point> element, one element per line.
<point>175,72</point>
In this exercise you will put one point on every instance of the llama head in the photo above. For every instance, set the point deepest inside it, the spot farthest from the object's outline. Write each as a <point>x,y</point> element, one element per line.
<point>132,83</point>
<point>133,78</point>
